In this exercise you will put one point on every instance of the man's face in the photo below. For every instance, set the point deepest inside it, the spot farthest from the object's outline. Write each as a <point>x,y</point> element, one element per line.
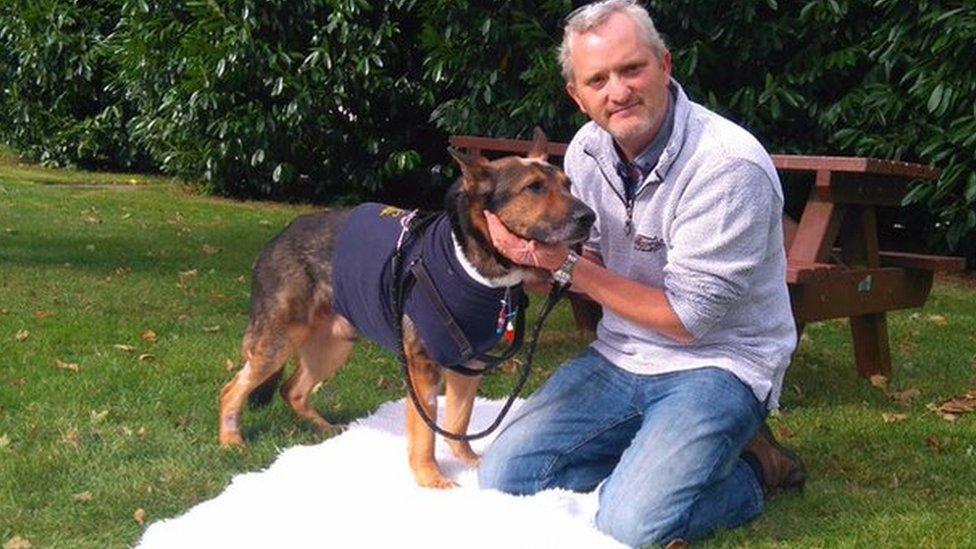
<point>619,82</point>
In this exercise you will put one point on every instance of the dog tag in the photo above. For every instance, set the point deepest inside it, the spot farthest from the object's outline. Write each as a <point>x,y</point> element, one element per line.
<point>510,332</point>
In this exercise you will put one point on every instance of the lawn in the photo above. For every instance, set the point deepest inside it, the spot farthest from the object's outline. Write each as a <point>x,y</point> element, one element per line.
<point>123,299</point>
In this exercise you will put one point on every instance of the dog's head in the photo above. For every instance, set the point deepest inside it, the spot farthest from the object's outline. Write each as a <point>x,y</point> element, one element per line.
<point>529,195</point>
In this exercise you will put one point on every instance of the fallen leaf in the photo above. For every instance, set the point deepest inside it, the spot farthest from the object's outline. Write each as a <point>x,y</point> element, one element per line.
<point>126,348</point>
<point>893,418</point>
<point>82,496</point>
<point>210,250</point>
<point>149,336</point>
<point>141,432</point>
<point>190,273</point>
<point>22,335</point>
<point>264,223</point>
<point>229,365</point>
<point>959,405</point>
<point>98,417</point>
<point>146,357</point>
<point>933,443</point>
<point>879,381</point>
<point>4,440</point>
<point>7,311</point>
<point>90,247</point>
<point>126,216</point>
<point>140,515</point>
<point>66,365</point>
<point>938,320</point>
<point>41,315</point>
<point>122,272</point>
<point>17,542</point>
<point>72,437</point>
<point>211,329</point>
<point>240,280</point>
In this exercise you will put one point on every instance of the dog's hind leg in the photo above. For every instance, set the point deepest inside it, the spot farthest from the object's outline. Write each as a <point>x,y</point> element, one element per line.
<point>461,391</point>
<point>266,354</point>
<point>320,355</point>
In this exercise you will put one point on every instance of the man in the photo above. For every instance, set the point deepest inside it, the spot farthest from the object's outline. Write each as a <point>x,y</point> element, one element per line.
<point>687,260</point>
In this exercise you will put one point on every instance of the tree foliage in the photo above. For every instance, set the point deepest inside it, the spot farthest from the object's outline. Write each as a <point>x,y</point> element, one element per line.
<point>343,99</point>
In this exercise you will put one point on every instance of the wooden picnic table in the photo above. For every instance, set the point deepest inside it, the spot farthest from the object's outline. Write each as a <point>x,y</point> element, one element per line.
<point>835,268</point>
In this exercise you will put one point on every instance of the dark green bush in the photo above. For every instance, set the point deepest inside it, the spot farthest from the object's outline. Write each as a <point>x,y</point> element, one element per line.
<point>53,68</point>
<point>309,99</point>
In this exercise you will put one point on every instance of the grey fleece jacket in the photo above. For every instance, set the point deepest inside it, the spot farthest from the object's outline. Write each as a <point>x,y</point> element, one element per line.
<point>705,226</point>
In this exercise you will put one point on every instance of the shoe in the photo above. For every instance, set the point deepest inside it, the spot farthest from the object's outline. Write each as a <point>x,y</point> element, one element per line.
<point>782,469</point>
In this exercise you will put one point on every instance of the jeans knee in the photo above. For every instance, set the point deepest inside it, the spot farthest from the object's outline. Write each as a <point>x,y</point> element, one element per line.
<point>634,527</point>
<point>497,472</point>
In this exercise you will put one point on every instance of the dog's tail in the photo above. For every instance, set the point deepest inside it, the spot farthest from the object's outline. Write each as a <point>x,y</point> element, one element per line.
<point>263,394</point>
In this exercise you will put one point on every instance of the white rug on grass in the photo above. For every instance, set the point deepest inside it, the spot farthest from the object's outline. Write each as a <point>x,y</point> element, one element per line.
<point>356,490</point>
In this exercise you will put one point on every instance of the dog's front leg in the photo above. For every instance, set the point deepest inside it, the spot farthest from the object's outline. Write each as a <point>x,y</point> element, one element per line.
<point>426,377</point>
<point>460,392</point>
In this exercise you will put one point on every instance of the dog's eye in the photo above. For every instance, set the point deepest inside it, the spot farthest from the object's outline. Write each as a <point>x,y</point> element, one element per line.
<point>535,187</point>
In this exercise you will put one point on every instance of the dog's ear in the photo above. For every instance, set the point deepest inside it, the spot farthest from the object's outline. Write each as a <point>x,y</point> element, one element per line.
<point>540,145</point>
<point>474,169</point>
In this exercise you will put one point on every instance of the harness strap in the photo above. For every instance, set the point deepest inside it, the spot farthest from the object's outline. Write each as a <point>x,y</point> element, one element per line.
<point>427,286</point>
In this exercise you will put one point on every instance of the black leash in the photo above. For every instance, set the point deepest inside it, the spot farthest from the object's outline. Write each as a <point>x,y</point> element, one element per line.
<point>412,227</point>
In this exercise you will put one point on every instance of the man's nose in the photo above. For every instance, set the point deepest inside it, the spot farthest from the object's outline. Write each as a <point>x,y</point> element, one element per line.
<point>617,89</point>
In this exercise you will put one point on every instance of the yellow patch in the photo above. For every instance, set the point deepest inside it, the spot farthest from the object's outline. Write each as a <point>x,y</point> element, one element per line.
<point>392,211</point>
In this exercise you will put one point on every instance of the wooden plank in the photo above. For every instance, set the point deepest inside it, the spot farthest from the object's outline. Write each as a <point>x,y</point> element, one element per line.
<point>939,263</point>
<point>801,272</point>
<point>817,231</point>
<point>508,146</point>
<point>872,355</point>
<point>854,164</point>
<point>859,237</point>
<point>856,292</point>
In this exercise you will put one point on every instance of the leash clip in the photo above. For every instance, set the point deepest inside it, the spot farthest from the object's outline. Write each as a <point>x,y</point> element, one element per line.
<point>405,222</point>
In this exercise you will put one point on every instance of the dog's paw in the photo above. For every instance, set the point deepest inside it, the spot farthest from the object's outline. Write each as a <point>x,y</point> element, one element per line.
<point>439,482</point>
<point>464,453</point>
<point>231,441</point>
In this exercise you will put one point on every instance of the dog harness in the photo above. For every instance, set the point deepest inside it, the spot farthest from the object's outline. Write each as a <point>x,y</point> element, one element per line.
<point>450,300</point>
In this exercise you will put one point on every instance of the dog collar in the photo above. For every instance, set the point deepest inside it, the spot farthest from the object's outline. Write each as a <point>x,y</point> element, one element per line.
<point>513,278</point>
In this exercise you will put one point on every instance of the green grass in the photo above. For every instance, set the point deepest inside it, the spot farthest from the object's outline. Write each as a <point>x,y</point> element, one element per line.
<point>92,261</point>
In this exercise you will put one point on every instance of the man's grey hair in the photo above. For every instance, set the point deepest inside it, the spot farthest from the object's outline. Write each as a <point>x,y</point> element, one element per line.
<point>588,17</point>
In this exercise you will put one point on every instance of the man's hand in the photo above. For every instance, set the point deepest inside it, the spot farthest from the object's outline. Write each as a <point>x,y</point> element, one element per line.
<point>524,252</point>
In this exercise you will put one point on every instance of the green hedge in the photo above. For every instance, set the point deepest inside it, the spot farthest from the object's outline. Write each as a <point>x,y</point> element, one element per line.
<point>346,99</point>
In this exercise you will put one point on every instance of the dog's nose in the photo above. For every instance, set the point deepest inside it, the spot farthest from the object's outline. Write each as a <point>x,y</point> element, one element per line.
<point>584,216</point>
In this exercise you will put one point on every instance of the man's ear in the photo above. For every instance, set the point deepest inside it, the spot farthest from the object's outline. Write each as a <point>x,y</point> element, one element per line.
<point>573,93</point>
<point>474,169</point>
<point>540,145</point>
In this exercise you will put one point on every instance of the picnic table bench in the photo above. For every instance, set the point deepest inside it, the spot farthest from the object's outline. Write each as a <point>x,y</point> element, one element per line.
<point>835,268</point>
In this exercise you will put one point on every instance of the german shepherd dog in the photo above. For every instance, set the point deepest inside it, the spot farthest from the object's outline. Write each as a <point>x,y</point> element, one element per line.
<point>295,282</point>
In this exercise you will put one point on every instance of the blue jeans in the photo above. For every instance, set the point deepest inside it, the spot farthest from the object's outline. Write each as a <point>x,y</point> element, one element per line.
<point>668,446</point>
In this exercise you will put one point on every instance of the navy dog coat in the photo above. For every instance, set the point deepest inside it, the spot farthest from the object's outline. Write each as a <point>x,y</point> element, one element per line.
<point>362,279</point>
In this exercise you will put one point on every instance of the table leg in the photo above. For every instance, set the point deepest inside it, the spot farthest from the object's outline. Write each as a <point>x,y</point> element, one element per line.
<point>872,354</point>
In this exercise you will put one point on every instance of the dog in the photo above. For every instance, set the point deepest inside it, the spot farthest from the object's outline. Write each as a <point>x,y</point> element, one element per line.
<point>316,287</point>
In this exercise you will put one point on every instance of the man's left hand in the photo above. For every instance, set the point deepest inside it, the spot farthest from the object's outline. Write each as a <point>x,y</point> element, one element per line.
<point>524,252</point>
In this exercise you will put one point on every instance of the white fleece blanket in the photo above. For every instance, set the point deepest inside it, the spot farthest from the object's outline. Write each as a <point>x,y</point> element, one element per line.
<point>356,490</point>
